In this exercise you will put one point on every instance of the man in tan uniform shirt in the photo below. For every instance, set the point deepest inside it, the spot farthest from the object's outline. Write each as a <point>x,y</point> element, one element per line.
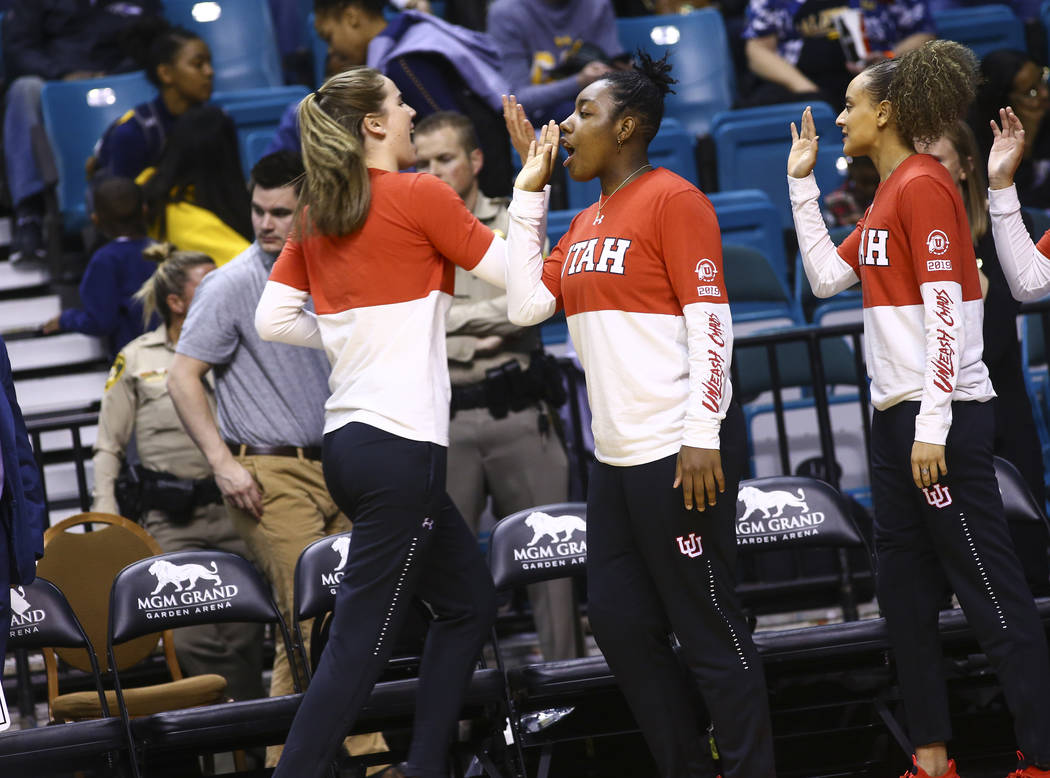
<point>494,451</point>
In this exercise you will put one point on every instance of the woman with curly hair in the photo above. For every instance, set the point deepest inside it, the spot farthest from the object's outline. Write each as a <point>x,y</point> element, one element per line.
<point>938,513</point>
<point>639,275</point>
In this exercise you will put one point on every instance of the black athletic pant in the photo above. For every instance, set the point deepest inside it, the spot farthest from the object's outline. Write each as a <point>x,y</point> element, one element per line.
<point>954,530</point>
<point>409,541</point>
<point>654,568</point>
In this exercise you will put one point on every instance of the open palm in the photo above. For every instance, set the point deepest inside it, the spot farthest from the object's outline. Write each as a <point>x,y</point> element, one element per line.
<point>803,156</point>
<point>540,160</point>
<point>1007,149</point>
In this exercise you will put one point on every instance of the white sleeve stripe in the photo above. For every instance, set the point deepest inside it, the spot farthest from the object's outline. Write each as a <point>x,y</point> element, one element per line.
<point>528,299</point>
<point>1027,271</point>
<point>280,316</point>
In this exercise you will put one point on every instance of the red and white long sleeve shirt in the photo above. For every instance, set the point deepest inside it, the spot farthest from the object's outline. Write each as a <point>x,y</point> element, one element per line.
<point>644,296</point>
<point>381,295</point>
<point>923,312</point>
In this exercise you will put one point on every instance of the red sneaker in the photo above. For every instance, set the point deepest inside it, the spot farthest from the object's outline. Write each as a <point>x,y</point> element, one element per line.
<point>918,772</point>
<point>1031,771</point>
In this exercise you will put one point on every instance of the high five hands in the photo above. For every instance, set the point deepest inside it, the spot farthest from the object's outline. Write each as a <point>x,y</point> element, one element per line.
<point>1007,149</point>
<point>538,156</point>
<point>803,156</point>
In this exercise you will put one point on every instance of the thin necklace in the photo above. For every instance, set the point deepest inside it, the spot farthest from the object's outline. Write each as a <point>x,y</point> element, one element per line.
<point>599,217</point>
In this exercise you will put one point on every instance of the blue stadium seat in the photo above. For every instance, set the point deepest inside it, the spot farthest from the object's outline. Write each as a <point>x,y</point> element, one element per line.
<point>319,49</point>
<point>75,115</point>
<point>747,217</point>
<point>672,148</point>
<point>241,37</point>
<point>253,148</point>
<point>983,28</point>
<point>753,144</point>
<point>699,52</point>
<point>558,224</point>
<point>257,112</point>
<point>756,292</point>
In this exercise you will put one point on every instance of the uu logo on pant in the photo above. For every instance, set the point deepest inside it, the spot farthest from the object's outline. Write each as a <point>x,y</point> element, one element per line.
<point>690,545</point>
<point>938,495</point>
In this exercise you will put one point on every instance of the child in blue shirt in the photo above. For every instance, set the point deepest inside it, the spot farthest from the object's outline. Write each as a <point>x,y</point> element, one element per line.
<point>115,272</point>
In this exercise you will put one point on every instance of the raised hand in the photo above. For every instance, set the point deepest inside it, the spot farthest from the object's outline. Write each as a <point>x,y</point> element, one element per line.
<point>803,156</point>
<point>1007,149</point>
<point>540,160</point>
<point>518,126</point>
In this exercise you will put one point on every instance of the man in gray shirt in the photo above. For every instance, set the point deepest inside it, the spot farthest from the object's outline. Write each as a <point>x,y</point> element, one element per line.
<point>265,449</point>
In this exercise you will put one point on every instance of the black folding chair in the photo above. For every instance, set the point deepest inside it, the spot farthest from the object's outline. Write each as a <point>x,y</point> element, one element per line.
<point>42,619</point>
<point>537,544</point>
<point>182,589</point>
<point>808,524</point>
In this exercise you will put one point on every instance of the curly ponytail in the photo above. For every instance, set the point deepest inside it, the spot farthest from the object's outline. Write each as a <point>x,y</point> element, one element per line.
<point>930,88</point>
<point>337,190</point>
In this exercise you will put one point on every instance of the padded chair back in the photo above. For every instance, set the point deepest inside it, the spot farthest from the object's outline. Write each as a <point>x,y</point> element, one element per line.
<point>317,575</point>
<point>82,565</point>
<point>76,113</point>
<point>257,111</point>
<point>240,35</point>
<point>254,148</point>
<point>983,28</point>
<point>1018,502</point>
<point>782,512</point>
<point>753,143</point>
<point>747,217</point>
<point>539,544</point>
<point>751,278</point>
<point>41,618</point>
<point>698,50</point>
<point>185,588</point>
<point>799,547</point>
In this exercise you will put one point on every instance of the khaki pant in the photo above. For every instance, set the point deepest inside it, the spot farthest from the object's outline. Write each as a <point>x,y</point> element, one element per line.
<point>297,510</point>
<point>519,467</point>
<point>233,651</point>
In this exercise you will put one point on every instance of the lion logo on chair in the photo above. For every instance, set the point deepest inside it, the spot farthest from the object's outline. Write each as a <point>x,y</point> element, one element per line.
<point>544,525</point>
<point>167,573</point>
<point>341,546</point>
<point>755,499</point>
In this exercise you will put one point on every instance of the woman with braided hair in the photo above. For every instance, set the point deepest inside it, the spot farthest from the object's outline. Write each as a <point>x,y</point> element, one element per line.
<point>639,275</point>
<point>938,513</point>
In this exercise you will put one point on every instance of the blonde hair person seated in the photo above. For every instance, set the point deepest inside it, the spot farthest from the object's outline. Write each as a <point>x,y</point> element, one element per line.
<point>178,502</point>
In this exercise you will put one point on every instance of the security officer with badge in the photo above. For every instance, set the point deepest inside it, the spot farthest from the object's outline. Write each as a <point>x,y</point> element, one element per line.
<point>501,438</point>
<point>171,490</point>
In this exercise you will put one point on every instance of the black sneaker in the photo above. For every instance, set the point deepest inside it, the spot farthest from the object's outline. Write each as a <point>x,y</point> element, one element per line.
<point>27,240</point>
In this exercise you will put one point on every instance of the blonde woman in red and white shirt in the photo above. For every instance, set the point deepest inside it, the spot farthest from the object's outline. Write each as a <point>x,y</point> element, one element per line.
<point>376,250</point>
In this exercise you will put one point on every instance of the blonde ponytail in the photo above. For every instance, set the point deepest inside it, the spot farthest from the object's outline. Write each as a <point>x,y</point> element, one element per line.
<point>337,191</point>
<point>170,277</point>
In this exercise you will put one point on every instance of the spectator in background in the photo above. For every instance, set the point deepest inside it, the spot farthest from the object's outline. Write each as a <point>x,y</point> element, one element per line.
<point>1013,78</point>
<point>465,76</point>
<point>1015,432</point>
<point>48,40</point>
<point>801,51</point>
<point>116,271</point>
<point>178,63</point>
<point>552,49</point>
<point>23,511</point>
<point>501,443</point>
<point>845,206</point>
<point>178,503</point>
<point>264,442</point>
<point>197,199</point>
